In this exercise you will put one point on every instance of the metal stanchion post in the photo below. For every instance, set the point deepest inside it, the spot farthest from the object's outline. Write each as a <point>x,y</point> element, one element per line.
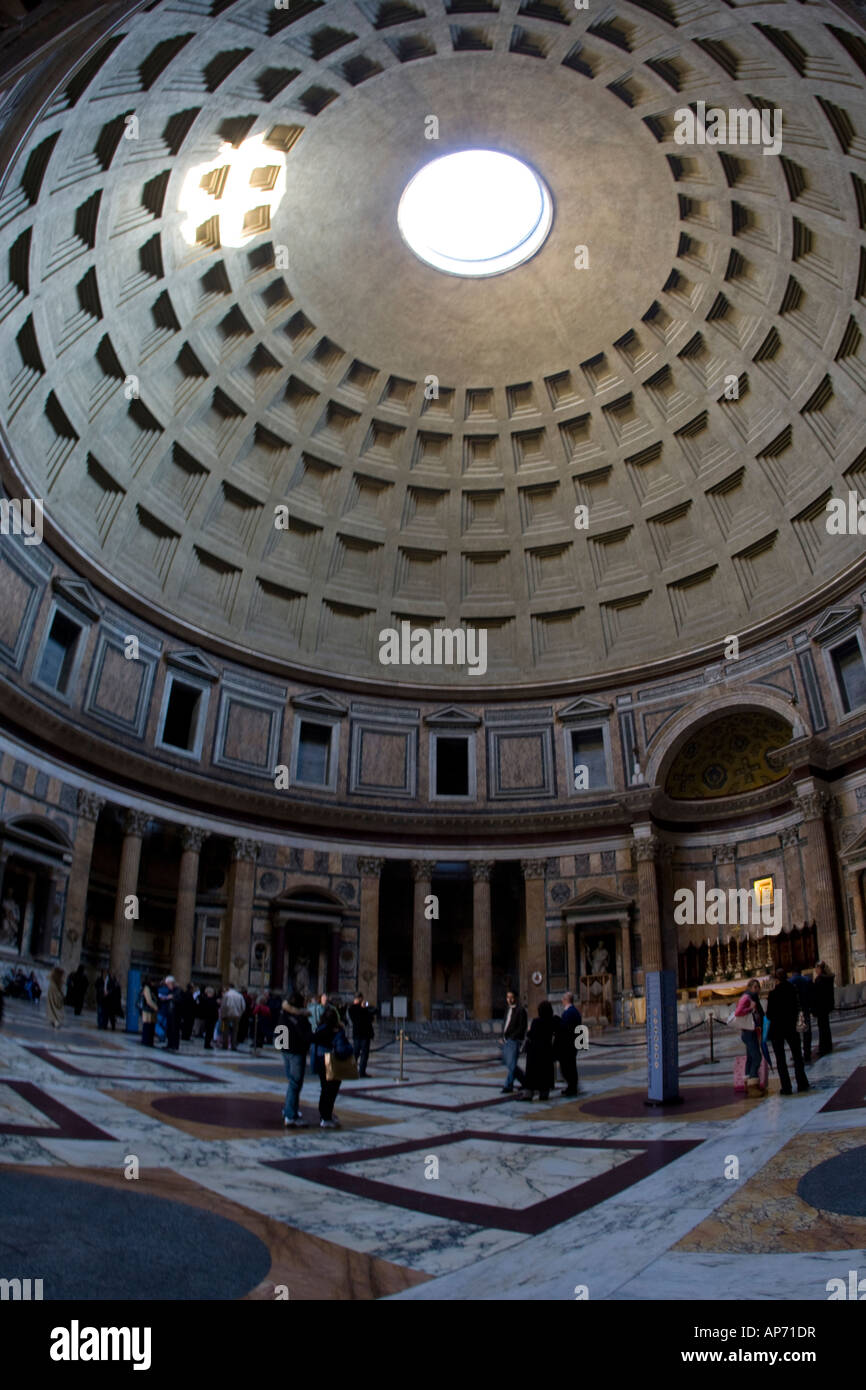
<point>713,1058</point>
<point>402,1039</point>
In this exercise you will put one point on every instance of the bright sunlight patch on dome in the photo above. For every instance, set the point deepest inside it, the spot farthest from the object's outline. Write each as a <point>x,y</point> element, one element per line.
<point>234,196</point>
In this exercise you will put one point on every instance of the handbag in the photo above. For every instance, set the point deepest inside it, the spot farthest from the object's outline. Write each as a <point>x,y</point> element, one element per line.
<point>802,1025</point>
<point>340,1068</point>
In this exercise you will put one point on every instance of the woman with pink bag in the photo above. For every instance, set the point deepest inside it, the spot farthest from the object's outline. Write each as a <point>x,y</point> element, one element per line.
<point>751,1014</point>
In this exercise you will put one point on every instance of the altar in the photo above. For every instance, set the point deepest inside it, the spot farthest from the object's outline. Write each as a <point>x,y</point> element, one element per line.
<point>731,990</point>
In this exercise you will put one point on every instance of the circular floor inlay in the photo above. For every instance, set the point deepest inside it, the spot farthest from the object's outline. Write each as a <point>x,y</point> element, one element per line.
<point>475,212</point>
<point>94,1242</point>
<point>632,1104</point>
<point>227,1112</point>
<point>838,1184</point>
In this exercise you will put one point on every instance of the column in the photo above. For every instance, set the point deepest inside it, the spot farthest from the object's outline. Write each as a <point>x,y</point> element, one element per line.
<point>134,827</point>
<point>238,924</point>
<point>726,878</point>
<point>482,942</point>
<point>74,919</point>
<point>192,839</point>
<point>627,968</point>
<point>422,941</point>
<point>536,933</point>
<point>55,880</point>
<point>820,903</point>
<point>794,905</point>
<point>853,883</point>
<point>645,848</point>
<point>368,933</point>
<point>670,936</point>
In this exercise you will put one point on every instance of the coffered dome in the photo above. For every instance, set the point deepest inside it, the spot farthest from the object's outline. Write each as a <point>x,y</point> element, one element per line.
<point>213,316</point>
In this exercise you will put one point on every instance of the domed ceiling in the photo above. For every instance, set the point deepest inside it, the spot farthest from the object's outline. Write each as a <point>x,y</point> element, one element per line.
<point>211,314</point>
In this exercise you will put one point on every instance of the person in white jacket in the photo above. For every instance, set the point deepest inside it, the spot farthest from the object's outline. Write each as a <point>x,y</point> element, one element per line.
<point>231,1010</point>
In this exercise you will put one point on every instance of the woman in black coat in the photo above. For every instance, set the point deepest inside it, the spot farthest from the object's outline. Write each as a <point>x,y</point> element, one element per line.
<point>540,1053</point>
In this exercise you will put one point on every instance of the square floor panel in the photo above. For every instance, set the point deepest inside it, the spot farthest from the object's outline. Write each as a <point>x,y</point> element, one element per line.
<point>125,1067</point>
<point>501,1192</point>
<point>515,1175</point>
<point>26,1109</point>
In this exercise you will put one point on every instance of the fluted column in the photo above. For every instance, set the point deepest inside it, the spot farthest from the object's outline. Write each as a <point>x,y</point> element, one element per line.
<point>74,917</point>
<point>854,885</point>
<point>184,916</point>
<point>134,827</point>
<point>794,904</point>
<point>422,941</point>
<point>536,933</point>
<point>645,848</point>
<point>238,925</point>
<point>482,941</point>
<point>670,939</point>
<point>368,934</point>
<point>820,904</point>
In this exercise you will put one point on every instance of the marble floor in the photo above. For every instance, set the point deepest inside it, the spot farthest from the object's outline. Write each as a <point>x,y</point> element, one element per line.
<point>436,1185</point>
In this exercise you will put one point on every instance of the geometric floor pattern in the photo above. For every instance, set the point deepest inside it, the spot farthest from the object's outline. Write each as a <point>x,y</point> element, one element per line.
<point>436,1186</point>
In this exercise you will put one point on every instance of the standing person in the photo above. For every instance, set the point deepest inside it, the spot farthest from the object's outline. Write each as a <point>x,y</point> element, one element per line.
<point>114,1005</point>
<point>329,1025</point>
<point>317,1008</point>
<point>103,991</point>
<point>198,1026</point>
<point>783,1007</point>
<point>750,1013</point>
<point>170,996</point>
<point>147,1007</point>
<point>361,1016</point>
<point>262,1020</point>
<point>209,1010</point>
<point>231,1011</point>
<point>187,1013</point>
<point>540,1045</point>
<point>297,1021</point>
<point>513,1034</point>
<point>825,1003</point>
<point>806,996</point>
<point>54,999</point>
<point>245,1020</point>
<point>76,989</point>
<point>569,1021</point>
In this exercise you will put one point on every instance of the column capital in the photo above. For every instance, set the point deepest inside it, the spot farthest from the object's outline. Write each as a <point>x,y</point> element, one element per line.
<point>193,837</point>
<point>725,854</point>
<point>247,850</point>
<point>89,804</point>
<point>482,869</point>
<point>369,867</point>
<point>789,837</point>
<point>135,823</point>
<point>533,868</point>
<point>645,848</point>
<point>422,869</point>
<point>814,805</point>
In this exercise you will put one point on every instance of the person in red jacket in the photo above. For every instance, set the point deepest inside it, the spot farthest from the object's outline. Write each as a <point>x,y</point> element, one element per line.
<point>751,1016</point>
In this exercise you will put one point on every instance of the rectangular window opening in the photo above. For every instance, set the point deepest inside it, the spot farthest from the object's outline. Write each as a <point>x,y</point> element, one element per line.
<point>589,759</point>
<point>452,767</point>
<point>180,725</point>
<point>314,754</point>
<point>58,657</point>
<point>850,674</point>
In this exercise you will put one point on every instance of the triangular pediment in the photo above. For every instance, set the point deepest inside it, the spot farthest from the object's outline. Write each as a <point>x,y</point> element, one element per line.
<point>584,708</point>
<point>193,663</point>
<point>320,702</point>
<point>595,900</point>
<point>79,593</point>
<point>835,621</point>
<point>856,849</point>
<point>454,717</point>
